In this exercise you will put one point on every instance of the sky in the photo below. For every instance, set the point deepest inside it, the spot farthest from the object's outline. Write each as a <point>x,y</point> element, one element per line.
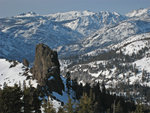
<point>43,7</point>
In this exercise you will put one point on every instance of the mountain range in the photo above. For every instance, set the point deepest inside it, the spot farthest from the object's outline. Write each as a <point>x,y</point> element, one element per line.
<point>92,47</point>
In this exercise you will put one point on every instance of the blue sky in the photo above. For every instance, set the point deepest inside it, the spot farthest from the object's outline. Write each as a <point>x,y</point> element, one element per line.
<point>15,7</point>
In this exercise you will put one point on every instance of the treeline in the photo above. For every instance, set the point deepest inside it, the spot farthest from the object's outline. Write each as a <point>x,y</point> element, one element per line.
<point>15,100</point>
<point>101,99</point>
<point>116,55</point>
<point>87,105</point>
<point>86,99</point>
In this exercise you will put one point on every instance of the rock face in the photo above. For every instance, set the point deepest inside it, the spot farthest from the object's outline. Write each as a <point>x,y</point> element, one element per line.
<point>46,68</point>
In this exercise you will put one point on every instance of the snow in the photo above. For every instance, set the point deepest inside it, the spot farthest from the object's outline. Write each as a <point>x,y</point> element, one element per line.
<point>134,47</point>
<point>95,74</point>
<point>13,75</point>
<point>143,64</point>
<point>82,82</point>
<point>56,104</point>
<point>138,13</point>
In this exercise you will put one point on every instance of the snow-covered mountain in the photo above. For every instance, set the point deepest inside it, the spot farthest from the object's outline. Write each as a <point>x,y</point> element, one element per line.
<point>95,47</point>
<point>125,67</point>
<point>20,34</point>
<point>87,22</point>
<point>110,35</point>
<point>136,48</point>
<point>139,13</point>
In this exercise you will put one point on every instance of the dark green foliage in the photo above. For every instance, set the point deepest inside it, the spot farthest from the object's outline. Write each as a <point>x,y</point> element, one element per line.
<point>10,100</point>
<point>31,100</point>
<point>68,82</point>
<point>102,100</point>
<point>85,105</point>
<point>14,100</point>
<point>139,109</point>
<point>27,99</point>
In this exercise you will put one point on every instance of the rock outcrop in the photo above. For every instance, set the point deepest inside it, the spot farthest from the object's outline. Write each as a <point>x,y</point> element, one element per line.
<point>46,68</point>
<point>25,62</point>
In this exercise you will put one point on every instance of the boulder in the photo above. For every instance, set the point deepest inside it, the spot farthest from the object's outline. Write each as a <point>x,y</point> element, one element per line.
<point>25,62</point>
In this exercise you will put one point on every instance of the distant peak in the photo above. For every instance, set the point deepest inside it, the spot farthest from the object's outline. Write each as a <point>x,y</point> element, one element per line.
<point>73,13</point>
<point>87,12</point>
<point>28,14</point>
<point>109,13</point>
<point>115,13</point>
<point>139,12</point>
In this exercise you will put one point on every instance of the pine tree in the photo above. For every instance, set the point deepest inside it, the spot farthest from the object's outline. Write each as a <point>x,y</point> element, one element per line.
<point>27,100</point>
<point>139,109</point>
<point>31,100</point>
<point>69,106</point>
<point>48,106</point>
<point>24,85</point>
<point>108,111</point>
<point>85,105</point>
<point>68,82</point>
<point>118,108</point>
<point>61,110</point>
<point>0,100</point>
<point>36,101</point>
<point>11,99</point>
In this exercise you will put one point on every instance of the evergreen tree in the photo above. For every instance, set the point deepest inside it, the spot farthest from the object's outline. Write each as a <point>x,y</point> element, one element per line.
<point>118,108</point>
<point>69,106</point>
<point>85,105</point>
<point>36,101</point>
<point>139,109</point>
<point>27,100</point>
<point>0,100</point>
<point>68,83</point>
<point>48,106</point>
<point>108,110</point>
<point>24,85</point>
<point>61,110</point>
<point>11,100</point>
<point>31,100</point>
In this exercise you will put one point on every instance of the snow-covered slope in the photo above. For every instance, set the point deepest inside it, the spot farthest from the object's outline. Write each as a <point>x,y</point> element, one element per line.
<point>123,65</point>
<point>137,45</point>
<point>13,72</point>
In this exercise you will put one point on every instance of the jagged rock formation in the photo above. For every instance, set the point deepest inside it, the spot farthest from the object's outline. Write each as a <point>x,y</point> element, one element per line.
<point>46,68</point>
